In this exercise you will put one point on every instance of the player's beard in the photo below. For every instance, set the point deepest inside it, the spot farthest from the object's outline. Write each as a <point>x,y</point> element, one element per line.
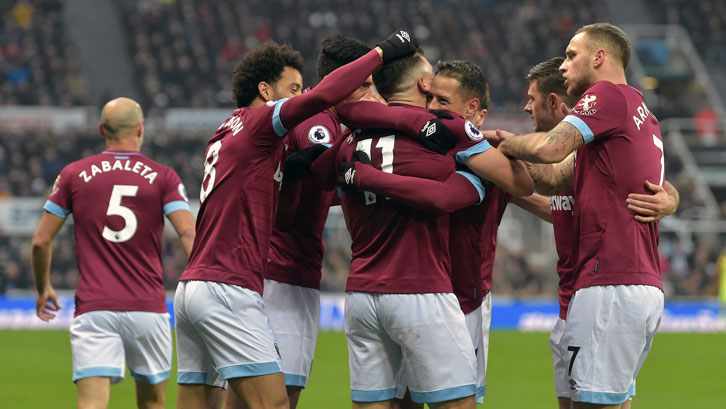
<point>579,86</point>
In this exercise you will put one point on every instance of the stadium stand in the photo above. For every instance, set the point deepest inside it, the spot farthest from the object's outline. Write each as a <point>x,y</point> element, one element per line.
<point>38,62</point>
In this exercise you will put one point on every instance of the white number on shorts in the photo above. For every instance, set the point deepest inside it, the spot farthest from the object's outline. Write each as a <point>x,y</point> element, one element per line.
<point>115,208</point>
<point>659,144</point>
<point>574,351</point>
<point>209,171</point>
<point>386,144</point>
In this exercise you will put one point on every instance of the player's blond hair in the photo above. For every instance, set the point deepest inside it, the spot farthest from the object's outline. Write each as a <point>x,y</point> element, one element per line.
<point>611,38</point>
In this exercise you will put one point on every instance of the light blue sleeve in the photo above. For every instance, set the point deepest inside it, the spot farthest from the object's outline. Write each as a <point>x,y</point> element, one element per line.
<point>464,156</point>
<point>172,207</point>
<point>276,123</point>
<point>54,209</point>
<point>474,181</point>
<point>581,126</point>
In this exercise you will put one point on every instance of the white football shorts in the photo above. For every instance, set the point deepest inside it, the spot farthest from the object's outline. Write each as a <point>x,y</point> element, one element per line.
<point>560,360</point>
<point>427,332</point>
<point>478,322</point>
<point>102,340</point>
<point>608,335</point>
<point>294,314</point>
<point>222,332</point>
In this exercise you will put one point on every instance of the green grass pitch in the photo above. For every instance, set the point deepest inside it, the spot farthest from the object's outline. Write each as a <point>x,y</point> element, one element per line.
<point>682,371</point>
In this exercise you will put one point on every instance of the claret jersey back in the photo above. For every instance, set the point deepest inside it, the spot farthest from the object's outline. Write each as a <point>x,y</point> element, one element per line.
<point>397,249</point>
<point>623,149</point>
<point>118,201</point>
<point>242,175</point>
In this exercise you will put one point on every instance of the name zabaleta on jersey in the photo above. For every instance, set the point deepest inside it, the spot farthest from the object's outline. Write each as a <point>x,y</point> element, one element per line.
<point>139,168</point>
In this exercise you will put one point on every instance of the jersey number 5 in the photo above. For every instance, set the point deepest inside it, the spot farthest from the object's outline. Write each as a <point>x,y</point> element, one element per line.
<point>115,208</point>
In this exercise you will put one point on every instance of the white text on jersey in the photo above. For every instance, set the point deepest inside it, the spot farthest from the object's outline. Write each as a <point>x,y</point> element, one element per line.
<point>643,113</point>
<point>138,167</point>
<point>562,203</point>
<point>234,123</point>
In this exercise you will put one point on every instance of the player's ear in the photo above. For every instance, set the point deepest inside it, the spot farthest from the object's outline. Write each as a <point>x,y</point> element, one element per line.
<point>423,86</point>
<point>265,90</point>
<point>472,107</point>
<point>552,101</point>
<point>598,58</point>
<point>140,129</point>
<point>100,129</point>
<point>479,118</point>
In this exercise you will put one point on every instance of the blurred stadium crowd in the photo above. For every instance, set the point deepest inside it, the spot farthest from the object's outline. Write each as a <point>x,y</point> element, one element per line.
<point>184,51</point>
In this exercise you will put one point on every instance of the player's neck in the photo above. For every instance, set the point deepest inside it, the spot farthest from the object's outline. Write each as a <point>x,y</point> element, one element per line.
<point>123,145</point>
<point>408,98</point>
<point>257,102</point>
<point>613,75</point>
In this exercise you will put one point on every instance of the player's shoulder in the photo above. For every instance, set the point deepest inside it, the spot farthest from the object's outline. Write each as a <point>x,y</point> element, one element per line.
<point>321,128</point>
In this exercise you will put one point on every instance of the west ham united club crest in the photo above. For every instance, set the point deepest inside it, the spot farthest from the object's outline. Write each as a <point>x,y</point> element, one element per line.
<point>472,131</point>
<point>319,134</point>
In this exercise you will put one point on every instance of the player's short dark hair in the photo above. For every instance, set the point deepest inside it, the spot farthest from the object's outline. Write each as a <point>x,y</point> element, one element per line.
<point>264,63</point>
<point>549,79</point>
<point>612,37</point>
<point>338,50</point>
<point>471,78</point>
<point>388,78</point>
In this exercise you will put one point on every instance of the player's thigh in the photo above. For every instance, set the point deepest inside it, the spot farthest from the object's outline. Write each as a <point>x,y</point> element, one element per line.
<point>265,391</point>
<point>150,396</point>
<point>294,315</point>
<point>194,361</point>
<point>96,346</point>
<point>374,358</point>
<point>147,343</point>
<point>199,396</point>
<point>607,333</point>
<point>431,331</point>
<point>474,323</point>
<point>234,328</point>
<point>560,360</point>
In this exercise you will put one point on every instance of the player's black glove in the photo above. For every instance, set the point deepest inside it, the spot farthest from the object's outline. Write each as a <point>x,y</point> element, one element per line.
<point>299,162</point>
<point>346,175</point>
<point>397,45</point>
<point>435,136</point>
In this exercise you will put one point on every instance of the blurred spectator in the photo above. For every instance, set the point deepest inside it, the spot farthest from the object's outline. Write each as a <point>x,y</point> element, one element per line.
<point>184,53</point>
<point>38,62</point>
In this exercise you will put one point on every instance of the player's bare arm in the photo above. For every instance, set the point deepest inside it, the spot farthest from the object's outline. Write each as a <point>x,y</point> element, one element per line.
<point>509,174</point>
<point>183,223</point>
<point>652,207</point>
<point>41,251</point>
<point>544,147</point>
<point>536,204</point>
<point>551,179</point>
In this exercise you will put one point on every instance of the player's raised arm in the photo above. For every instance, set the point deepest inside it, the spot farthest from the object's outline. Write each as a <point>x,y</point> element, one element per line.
<point>460,190</point>
<point>342,82</point>
<point>551,179</point>
<point>536,204</point>
<point>46,303</point>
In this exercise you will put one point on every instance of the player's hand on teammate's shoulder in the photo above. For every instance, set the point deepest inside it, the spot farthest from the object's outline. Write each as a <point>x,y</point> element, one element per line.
<point>495,137</point>
<point>346,170</point>
<point>46,304</point>
<point>399,44</point>
<point>435,136</point>
<point>651,207</point>
<point>299,162</point>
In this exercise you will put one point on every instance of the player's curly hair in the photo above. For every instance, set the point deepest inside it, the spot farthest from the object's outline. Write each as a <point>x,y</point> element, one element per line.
<point>338,50</point>
<point>264,63</point>
<point>389,78</point>
<point>471,78</point>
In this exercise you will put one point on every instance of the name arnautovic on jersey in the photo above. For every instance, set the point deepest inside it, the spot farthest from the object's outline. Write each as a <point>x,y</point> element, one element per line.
<point>106,166</point>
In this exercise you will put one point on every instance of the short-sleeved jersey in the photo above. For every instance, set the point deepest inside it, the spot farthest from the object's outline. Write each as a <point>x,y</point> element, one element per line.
<point>562,206</point>
<point>118,201</point>
<point>495,203</point>
<point>296,252</point>
<point>395,248</point>
<point>242,175</point>
<point>623,149</point>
